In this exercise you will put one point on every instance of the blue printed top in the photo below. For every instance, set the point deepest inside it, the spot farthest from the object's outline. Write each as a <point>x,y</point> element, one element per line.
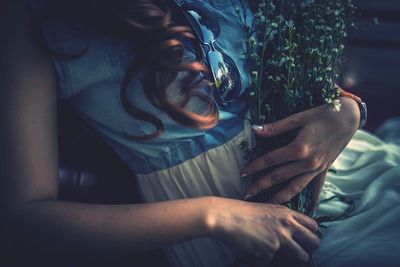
<point>91,84</point>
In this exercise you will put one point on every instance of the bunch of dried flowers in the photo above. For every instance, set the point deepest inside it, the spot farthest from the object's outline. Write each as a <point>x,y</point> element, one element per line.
<point>294,52</point>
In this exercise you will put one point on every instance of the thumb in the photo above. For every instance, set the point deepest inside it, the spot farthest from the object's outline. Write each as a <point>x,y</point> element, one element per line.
<point>279,127</point>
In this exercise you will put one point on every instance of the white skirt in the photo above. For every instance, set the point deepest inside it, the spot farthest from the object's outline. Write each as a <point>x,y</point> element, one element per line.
<point>367,171</point>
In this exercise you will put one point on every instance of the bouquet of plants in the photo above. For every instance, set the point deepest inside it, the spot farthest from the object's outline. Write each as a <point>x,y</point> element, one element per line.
<point>294,50</point>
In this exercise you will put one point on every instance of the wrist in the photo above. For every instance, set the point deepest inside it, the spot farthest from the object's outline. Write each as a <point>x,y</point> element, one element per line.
<point>362,107</point>
<point>352,111</point>
<point>217,214</point>
<point>211,215</point>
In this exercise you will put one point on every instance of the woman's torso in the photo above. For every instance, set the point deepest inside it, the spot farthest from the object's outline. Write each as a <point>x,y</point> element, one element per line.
<point>183,162</point>
<point>91,84</point>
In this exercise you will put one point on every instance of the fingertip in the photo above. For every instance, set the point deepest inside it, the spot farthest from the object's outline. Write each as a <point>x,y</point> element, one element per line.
<point>257,128</point>
<point>248,197</point>
<point>251,192</point>
<point>261,130</point>
<point>244,175</point>
<point>305,257</point>
<point>313,226</point>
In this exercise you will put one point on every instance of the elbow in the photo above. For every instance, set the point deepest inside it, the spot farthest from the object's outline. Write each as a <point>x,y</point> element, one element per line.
<point>16,230</point>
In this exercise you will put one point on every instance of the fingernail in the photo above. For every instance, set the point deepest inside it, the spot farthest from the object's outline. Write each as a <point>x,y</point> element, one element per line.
<point>243,175</point>
<point>256,127</point>
<point>248,196</point>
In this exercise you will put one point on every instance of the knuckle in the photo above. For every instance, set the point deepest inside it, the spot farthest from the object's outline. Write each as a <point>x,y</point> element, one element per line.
<point>302,151</point>
<point>314,163</point>
<point>290,214</point>
<point>270,127</point>
<point>276,178</point>
<point>287,222</point>
<point>268,160</point>
<point>284,233</point>
<point>314,225</point>
<point>281,210</point>
<point>287,210</point>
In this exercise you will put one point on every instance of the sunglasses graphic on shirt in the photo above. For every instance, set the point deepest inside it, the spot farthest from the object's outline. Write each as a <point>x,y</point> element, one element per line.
<point>224,72</point>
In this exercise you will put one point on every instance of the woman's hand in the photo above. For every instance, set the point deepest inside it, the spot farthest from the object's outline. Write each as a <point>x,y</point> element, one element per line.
<point>263,230</point>
<point>323,134</point>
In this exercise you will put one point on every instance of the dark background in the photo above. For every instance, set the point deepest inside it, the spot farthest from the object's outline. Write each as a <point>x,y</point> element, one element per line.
<point>372,60</point>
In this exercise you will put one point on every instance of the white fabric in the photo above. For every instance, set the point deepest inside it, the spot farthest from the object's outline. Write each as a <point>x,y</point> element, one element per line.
<point>367,171</point>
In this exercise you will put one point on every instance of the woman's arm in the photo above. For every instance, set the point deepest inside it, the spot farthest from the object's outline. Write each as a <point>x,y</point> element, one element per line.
<point>29,171</point>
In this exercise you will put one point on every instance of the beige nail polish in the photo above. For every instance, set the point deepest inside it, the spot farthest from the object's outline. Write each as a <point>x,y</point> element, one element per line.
<point>248,196</point>
<point>257,127</point>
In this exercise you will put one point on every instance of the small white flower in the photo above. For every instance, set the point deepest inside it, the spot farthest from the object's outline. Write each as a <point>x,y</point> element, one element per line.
<point>253,40</point>
<point>255,74</point>
<point>337,105</point>
<point>220,74</point>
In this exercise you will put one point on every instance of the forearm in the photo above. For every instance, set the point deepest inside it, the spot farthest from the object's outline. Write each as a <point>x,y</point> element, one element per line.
<point>78,228</point>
